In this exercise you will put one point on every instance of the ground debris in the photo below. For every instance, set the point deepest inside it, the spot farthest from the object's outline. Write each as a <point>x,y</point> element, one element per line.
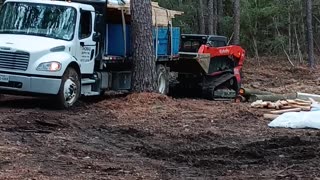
<point>152,136</point>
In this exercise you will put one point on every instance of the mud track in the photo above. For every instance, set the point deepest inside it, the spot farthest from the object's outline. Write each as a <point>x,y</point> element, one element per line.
<point>148,136</point>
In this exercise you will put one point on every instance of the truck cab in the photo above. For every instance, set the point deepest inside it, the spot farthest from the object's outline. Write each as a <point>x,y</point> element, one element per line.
<point>45,47</point>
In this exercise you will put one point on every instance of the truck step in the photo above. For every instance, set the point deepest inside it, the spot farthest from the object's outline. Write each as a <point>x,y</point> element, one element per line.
<point>87,81</point>
<point>223,99</point>
<point>92,93</point>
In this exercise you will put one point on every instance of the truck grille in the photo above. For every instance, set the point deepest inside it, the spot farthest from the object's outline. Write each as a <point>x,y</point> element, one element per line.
<point>14,60</point>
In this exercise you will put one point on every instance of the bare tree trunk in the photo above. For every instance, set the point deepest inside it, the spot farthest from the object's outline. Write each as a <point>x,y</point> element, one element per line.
<point>144,73</point>
<point>256,51</point>
<point>298,45</point>
<point>303,30</point>
<point>211,17</point>
<point>215,16</point>
<point>310,33</point>
<point>220,15</point>
<point>282,44</point>
<point>202,26</point>
<point>236,23</point>
<point>289,32</point>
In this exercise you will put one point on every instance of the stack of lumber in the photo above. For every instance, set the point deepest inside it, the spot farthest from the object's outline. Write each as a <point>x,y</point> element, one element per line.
<point>282,106</point>
<point>160,16</point>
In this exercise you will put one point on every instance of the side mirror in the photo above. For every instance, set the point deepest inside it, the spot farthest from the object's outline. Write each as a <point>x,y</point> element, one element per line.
<point>96,36</point>
<point>98,21</point>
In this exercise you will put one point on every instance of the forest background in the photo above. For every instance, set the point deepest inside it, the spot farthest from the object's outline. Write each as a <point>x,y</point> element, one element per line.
<point>272,28</point>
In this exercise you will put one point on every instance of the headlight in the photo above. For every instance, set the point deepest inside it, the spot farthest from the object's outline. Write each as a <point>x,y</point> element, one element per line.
<point>49,66</point>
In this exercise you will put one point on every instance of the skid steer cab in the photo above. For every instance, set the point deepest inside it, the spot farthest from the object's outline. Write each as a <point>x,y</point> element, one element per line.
<point>209,64</point>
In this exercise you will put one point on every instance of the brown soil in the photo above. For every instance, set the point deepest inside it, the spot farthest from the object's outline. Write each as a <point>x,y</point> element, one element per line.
<point>150,136</point>
<point>279,76</point>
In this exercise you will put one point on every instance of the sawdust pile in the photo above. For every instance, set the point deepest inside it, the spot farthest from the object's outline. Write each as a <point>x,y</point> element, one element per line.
<point>141,105</point>
<point>148,98</point>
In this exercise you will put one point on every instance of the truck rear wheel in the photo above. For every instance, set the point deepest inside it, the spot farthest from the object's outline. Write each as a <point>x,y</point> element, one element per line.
<point>70,89</point>
<point>162,79</point>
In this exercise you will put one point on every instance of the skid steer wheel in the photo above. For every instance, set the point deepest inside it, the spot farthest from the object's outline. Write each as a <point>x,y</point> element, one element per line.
<point>162,79</point>
<point>70,90</point>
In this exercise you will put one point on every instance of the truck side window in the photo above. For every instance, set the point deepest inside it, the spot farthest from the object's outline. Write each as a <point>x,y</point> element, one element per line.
<point>85,28</point>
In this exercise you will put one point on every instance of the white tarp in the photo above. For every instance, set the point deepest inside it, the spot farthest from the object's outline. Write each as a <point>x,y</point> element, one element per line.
<point>298,120</point>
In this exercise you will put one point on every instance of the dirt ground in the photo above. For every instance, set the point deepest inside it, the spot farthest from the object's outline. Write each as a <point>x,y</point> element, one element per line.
<point>148,136</point>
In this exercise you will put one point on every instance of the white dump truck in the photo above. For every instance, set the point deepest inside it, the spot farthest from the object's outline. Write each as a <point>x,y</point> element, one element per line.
<point>67,49</point>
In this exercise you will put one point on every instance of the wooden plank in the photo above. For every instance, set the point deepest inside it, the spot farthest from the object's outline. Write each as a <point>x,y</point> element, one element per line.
<point>286,110</point>
<point>301,104</point>
<point>160,16</point>
<point>303,108</point>
<point>302,101</point>
<point>287,107</point>
<point>270,116</point>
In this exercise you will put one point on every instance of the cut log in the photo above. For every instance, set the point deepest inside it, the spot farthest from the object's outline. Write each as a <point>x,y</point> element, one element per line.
<point>250,92</point>
<point>270,116</point>
<point>291,101</point>
<point>272,98</point>
<point>286,110</point>
<point>303,101</point>
<point>306,96</point>
<point>287,107</point>
<point>259,104</point>
<point>303,108</point>
<point>276,105</point>
<point>301,104</point>
<point>271,105</point>
<point>284,103</point>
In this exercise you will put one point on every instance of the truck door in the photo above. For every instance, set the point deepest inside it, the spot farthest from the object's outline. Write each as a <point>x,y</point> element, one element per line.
<point>87,47</point>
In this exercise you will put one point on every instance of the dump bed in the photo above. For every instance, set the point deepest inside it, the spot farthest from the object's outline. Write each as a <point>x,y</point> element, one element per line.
<point>161,36</point>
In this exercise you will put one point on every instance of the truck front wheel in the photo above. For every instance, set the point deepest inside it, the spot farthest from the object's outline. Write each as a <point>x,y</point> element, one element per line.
<point>70,89</point>
<point>162,79</point>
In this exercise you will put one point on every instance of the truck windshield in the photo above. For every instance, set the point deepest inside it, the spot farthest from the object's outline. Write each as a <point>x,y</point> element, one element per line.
<point>38,19</point>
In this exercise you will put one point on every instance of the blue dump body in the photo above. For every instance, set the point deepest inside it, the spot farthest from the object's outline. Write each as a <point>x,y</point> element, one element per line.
<point>163,46</point>
<point>116,42</point>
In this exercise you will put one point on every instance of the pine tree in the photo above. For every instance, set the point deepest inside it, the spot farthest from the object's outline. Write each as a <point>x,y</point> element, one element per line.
<point>310,33</point>
<point>144,76</point>
<point>236,19</point>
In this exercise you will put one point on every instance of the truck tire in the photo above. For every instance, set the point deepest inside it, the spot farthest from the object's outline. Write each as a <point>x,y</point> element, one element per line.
<point>162,79</point>
<point>70,89</point>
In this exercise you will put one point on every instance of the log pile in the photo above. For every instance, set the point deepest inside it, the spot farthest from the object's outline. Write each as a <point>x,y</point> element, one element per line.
<point>282,106</point>
<point>252,95</point>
